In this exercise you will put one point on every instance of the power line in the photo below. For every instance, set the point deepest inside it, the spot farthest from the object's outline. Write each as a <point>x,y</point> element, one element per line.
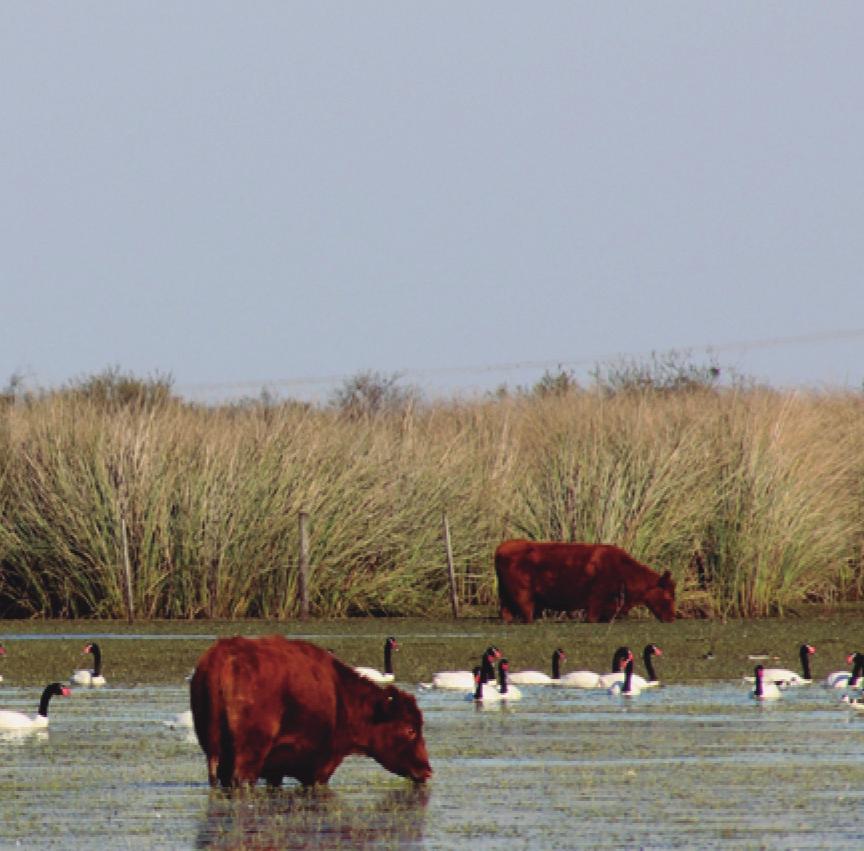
<point>513,366</point>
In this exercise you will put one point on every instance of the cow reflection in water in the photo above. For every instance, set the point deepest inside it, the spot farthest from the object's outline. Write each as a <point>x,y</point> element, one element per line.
<point>314,817</point>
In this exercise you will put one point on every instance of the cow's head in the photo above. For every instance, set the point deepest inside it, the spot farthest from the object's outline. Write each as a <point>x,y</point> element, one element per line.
<point>396,735</point>
<point>661,598</point>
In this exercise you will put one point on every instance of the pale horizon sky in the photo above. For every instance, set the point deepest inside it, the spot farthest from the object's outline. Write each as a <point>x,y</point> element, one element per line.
<point>250,196</point>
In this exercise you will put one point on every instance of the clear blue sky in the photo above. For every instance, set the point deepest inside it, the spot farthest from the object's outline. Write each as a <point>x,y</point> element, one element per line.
<point>242,194</point>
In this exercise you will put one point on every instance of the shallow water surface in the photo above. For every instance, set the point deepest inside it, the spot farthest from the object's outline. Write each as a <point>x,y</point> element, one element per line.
<point>680,766</point>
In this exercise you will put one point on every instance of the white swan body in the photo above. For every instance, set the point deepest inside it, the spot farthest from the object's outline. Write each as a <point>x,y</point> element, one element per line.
<point>611,680</point>
<point>579,679</point>
<point>181,721</point>
<point>18,722</point>
<point>86,677</point>
<point>464,680</point>
<point>784,677</point>
<point>847,679</point>
<point>454,680</point>
<point>387,675</point>
<point>764,690</point>
<point>538,678</point>
<point>588,679</point>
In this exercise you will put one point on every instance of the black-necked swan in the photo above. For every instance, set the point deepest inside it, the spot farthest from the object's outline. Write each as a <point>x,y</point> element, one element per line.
<point>538,678</point>
<point>588,679</point>
<point>648,654</point>
<point>84,677</point>
<point>847,679</point>
<point>464,680</point>
<point>373,673</point>
<point>19,722</point>
<point>628,687</point>
<point>492,692</point>
<point>785,677</point>
<point>765,689</point>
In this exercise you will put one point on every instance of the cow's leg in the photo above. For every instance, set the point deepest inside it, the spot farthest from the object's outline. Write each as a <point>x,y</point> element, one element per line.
<point>594,611</point>
<point>250,753</point>
<point>213,770</point>
<point>506,614</point>
<point>273,778</point>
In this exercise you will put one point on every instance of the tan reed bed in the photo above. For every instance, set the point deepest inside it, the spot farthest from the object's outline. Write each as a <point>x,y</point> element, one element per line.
<point>752,498</point>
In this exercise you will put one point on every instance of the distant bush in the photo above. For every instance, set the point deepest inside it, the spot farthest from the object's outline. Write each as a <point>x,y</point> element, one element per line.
<point>667,372</point>
<point>558,383</point>
<point>368,394</point>
<point>114,389</point>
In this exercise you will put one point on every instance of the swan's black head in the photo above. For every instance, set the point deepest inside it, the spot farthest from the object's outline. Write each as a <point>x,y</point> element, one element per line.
<point>2,650</point>
<point>50,690</point>
<point>391,643</point>
<point>493,652</point>
<point>619,660</point>
<point>652,650</point>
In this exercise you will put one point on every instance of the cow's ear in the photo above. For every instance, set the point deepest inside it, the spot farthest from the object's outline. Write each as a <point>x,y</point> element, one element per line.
<point>386,706</point>
<point>666,580</point>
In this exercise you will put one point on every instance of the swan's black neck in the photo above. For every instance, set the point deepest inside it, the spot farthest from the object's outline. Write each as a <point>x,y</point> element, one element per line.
<point>648,658</point>
<point>487,670</point>
<point>857,667</point>
<point>556,665</point>
<point>478,688</point>
<point>388,656</point>
<point>97,659</point>
<point>628,678</point>
<point>502,676</point>
<point>757,673</point>
<point>805,661</point>
<point>46,697</point>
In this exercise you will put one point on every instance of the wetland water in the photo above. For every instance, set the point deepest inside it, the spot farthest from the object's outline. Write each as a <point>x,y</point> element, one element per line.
<point>690,765</point>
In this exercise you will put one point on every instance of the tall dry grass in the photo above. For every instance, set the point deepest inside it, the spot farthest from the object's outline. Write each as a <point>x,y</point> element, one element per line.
<point>752,498</point>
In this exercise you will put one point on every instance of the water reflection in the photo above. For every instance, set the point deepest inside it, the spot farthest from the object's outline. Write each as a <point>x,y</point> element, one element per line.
<point>313,818</point>
<point>20,737</point>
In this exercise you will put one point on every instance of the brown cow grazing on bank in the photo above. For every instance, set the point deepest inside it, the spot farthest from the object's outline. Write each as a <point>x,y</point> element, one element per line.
<point>601,579</point>
<point>274,708</point>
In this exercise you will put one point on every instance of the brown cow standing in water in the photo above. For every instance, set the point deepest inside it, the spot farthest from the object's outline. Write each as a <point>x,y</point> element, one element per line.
<point>603,580</point>
<point>274,708</point>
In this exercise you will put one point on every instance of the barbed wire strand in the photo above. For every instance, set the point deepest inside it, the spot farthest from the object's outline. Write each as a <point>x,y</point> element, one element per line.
<point>513,366</point>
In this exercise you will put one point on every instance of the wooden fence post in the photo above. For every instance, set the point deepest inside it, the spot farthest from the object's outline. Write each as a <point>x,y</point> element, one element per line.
<point>130,602</point>
<point>451,572</point>
<point>303,566</point>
